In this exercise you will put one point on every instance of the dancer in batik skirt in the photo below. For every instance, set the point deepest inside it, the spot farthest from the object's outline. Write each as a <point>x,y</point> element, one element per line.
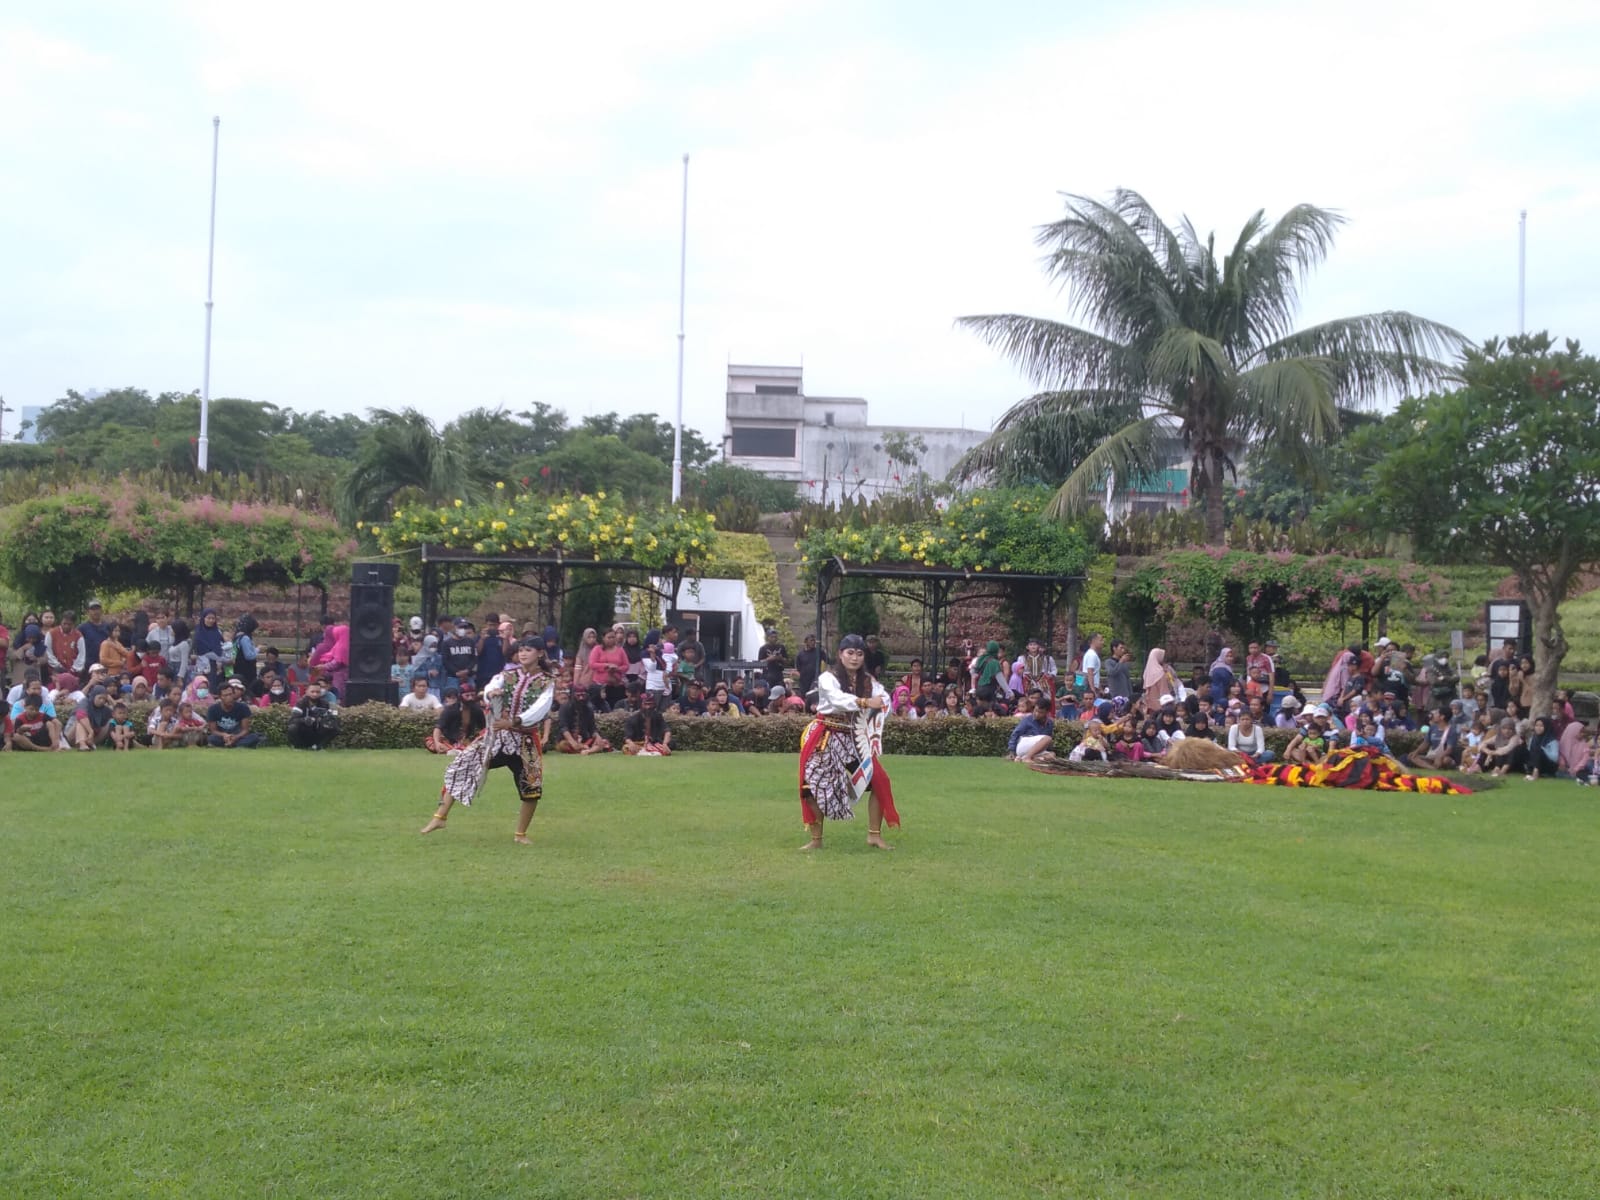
<point>839,750</point>
<point>520,698</point>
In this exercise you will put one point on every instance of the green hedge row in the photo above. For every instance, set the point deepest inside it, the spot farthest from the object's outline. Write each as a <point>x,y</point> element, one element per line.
<point>382,727</point>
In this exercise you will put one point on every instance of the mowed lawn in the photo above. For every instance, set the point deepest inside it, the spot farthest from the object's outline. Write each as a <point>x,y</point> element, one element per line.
<point>246,975</point>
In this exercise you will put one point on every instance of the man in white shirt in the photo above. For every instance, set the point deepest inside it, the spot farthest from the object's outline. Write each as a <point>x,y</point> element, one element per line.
<point>1091,665</point>
<point>419,697</point>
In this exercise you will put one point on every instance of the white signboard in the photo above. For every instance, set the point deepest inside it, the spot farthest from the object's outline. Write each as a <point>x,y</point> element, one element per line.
<point>1458,640</point>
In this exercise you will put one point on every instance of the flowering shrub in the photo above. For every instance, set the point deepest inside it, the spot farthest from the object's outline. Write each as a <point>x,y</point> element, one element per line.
<point>119,537</point>
<point>1246,592</point>
<point>581,526</point>
<point>980,531</point>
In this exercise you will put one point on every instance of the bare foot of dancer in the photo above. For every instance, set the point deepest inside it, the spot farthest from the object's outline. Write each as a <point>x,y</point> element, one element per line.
<point>521,839</point>
<point>433,824</point>
<point>816,837</point>
<point>875,840</point>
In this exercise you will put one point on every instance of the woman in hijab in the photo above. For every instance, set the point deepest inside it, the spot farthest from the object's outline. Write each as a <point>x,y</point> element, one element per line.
<point>1159,679</point>
<point>552,647</point>
<point>208,636</point>
<point>634,649</point>
<point>986,669</point>
<point>1500,695</point>
<point>1339,674</point>
<point>182,650</point>
<point>582,672</point>
<point>1222,677</point>
<point>1543,750</point>
<point>1574,749</point>
<point>244,649</point>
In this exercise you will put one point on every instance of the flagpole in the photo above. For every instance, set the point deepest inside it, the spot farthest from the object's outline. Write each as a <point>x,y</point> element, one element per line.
<point>204,445</point>
<point>1522,273</point>
<point>683,267</point>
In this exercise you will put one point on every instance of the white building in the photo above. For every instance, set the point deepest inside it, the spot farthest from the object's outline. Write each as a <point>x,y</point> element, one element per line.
<point>824,445</point>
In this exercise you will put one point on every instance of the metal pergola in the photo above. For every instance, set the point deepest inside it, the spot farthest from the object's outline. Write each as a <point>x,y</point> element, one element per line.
<point>935,589</point>
<point>543,573</point>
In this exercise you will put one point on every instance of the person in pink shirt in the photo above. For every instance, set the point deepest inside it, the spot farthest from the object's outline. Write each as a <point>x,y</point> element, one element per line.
<point>333,656</point>
<point>608,664</point>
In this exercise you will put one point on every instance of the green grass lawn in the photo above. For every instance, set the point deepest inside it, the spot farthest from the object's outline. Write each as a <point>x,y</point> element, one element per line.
<point>247,975</point>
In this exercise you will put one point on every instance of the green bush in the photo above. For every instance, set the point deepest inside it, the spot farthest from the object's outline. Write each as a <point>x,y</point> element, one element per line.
<point>858,613</point>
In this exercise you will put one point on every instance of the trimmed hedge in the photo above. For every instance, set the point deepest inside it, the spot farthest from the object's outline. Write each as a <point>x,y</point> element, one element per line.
<point>383,727</point>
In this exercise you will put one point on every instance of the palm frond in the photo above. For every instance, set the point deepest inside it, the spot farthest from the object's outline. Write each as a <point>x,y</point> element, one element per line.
<point>1055,354</point>
<point>1128,453</point>
<point>1182,354</point>
<point>1046,435</point>
<point>1115,282</point>
<point>1274,266</point>
<point>1375,354</point>
<point>1290,403</point>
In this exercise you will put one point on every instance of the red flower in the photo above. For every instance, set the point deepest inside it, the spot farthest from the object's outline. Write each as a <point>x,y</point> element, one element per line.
<point>544,472</point>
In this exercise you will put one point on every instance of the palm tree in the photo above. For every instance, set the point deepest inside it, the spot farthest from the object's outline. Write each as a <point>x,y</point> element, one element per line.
<point>1176,343</point>
<point>402,452</point>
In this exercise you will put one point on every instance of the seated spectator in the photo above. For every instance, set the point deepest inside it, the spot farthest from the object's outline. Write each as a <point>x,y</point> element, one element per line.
<point>1200,727</point>
<point>275,691</point>
<point>645,733</point>
<point>419,698</point>
<point>1034,734</point>
<point>1440,748</point>
<point>693,703</point>
<point>1369,735</point>
<point>162,727</point>
<point>579,732</point>
<point>1150,739</point>
<point>460,721</point>
<point>91,719</point>
<point>1093,747</point>
<point>123,736</point>
<point>1288,711</point>
<point>1246,737</point>
<point>1544,751</point>
<point>31,729</point>
<point>191,725</point>
<point>314,722</point>
<point>1499,750</point>
<point>228,722</point>
<point>1309,745</point>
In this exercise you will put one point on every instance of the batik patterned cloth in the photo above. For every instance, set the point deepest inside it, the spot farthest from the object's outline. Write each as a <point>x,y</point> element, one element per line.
<point>518,750</point>
<point>839,756</point>
<point>1356,768</point>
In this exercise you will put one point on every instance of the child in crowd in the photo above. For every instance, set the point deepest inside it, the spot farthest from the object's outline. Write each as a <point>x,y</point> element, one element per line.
<point>163,725</point>
<point>121,729</point>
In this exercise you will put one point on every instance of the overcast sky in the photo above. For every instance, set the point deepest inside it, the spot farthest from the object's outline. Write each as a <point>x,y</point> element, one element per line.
<point>447,207</point>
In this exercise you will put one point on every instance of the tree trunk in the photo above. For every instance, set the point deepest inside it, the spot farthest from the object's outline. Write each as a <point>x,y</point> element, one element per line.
<point>1073,595</point>
<point>1549,641</point>
<point>1208,492</point>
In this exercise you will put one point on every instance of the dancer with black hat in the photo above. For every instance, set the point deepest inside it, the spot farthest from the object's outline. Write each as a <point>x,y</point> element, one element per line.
<point>520,697</point>
<point>840,749</point>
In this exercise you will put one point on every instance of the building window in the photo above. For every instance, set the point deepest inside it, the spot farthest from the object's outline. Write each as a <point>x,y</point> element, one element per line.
<point>761,441</point>
<point>775,389</point>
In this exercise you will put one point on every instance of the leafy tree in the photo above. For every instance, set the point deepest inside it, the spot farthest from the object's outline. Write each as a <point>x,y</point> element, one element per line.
<point>403,456</point>
<point>590,603</point>
<point>589,462</point>
<point>858,610</point>
<point>1180,341</point>
<point>719,481</point>
<point>1505,470</point>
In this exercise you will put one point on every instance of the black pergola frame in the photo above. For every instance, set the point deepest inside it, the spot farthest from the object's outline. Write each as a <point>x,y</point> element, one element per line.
<point>936,592</point>
<point>548,572</point>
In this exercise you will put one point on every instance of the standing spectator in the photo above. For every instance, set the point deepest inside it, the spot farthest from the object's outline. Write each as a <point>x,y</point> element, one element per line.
<point>112,654</point>
<point>489,654</point>
<point>333,655</point>
<point>1119,676</point>
<point>1222,677</point>
<point>875,659</point>
<point>94,630</point>
<point>64,646</point>
<point>207,644</point>
<point>986,673</point>
<point>181,653</point>
<point>808,664</point>
<point>582,672</point>
<point>774,658</point>
<point>244,649</point>
<point>161,630</point>
<point>1038,669</point>
<point>460,653</point>
<point>608,663</point>
<point>1093,672</point>
<point>228,722</point>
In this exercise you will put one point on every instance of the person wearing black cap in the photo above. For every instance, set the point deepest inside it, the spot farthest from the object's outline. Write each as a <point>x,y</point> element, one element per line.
<point>839,751</point>
<point>521,698</point>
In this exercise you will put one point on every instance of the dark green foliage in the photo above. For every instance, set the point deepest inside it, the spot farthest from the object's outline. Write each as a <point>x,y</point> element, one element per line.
<point>590,602</point>
<point>858,609</point>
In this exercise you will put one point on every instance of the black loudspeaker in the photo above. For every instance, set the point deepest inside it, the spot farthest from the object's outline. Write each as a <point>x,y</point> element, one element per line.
<point>371,632</point>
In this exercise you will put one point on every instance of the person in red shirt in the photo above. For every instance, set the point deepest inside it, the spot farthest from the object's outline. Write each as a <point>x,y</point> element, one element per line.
<point>152,662</point>
<point>608,663</point>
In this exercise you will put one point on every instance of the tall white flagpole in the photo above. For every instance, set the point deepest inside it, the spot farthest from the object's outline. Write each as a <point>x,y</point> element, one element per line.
<point>204,445</point>
<point>683,267</point>
<point>1522,273</point>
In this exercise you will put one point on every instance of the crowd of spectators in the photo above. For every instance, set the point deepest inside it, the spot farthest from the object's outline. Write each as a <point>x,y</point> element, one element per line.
<point>73,685</point>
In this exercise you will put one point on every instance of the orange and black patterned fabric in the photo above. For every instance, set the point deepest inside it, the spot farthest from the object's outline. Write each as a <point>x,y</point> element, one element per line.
<point>1356,769</point>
